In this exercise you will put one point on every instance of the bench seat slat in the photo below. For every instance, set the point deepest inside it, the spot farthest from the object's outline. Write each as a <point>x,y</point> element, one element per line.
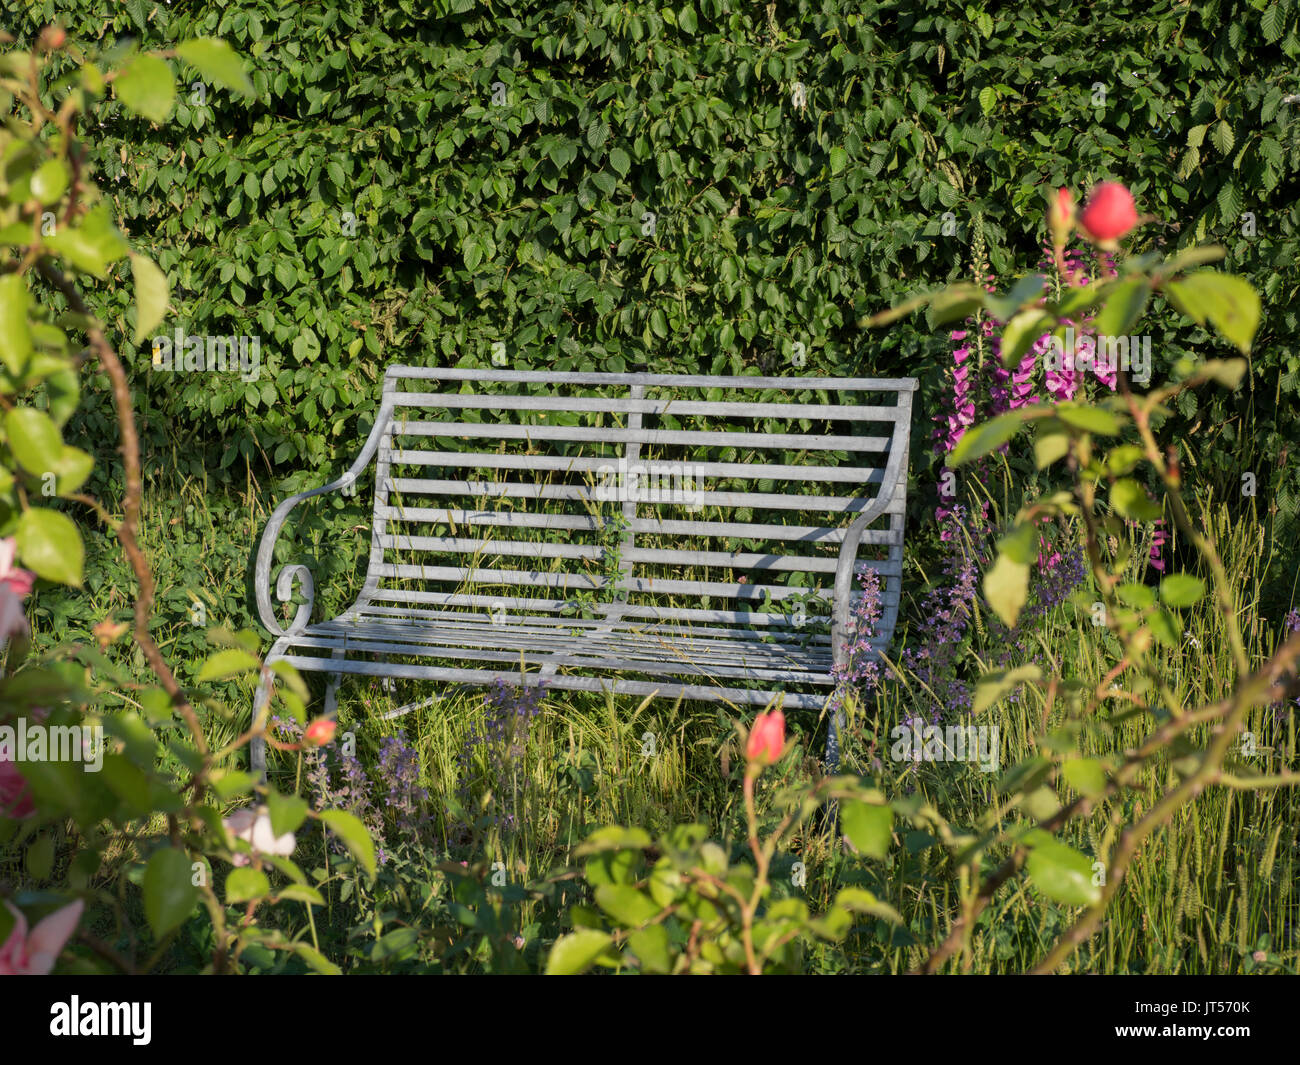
<point>563,681</point>
<point>380,616</point>
<point>576,657</point>
<point>728,653</point>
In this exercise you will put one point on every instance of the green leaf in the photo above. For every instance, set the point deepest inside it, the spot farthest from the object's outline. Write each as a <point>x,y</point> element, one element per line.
<point>216,61</point>
<point>952,303</point>
<point>1131,500</point>
<point>92,246</point>
<point>1019,333</point>
<point>1006,587</point>
<point>301,893</point>
<point>628,906</point>
<point>354,835</point>
<point>245,884</point>
<point>64,392</point>
<point>1060,872</point>
<point>1228,303</point>
<point>1124,304</point>
<point>1164,628</point>
<point>50,546</point>
<point>315,959</point>
<point>576,952</point>
<point>169,893</point>
<point>620,161</point>
<point>860,900</point>
<point>151,295</point>
<point>1084,775</point>
<point>15,330</point>
<point>1227,372</point>
<point>34,440</point>
<point>1089,419</point>
<point>1050,446</point>
<point>287,812</point>
<point>869,827</point>
<point>652,948</point>
<point>1181,590</point>
<point>1021,544</point>
<point>50,181</point>
<point>147,88</point>
<point>988,436</point>
<point>71,470</point>
<point>993,686</point>
<point>230,662</point>
<point>839,160</point>
<point>988,100</point>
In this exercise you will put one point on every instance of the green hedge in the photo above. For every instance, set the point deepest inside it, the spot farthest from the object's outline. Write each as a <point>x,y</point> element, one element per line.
<point>781,213</point>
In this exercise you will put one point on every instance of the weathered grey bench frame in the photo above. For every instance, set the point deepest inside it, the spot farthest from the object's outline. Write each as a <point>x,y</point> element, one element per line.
<point>638,639</point>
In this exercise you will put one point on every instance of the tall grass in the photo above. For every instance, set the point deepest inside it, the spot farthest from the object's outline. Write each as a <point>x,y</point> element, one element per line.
<point>1218,883</point>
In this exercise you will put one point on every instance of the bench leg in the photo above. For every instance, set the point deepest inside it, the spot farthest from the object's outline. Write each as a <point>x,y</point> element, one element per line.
<point>257,748</point>
<point>833,739</point>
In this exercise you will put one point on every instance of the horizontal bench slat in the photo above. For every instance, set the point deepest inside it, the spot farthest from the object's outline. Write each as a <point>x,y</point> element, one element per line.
<point>585,494</point>
<point>564,464</point>
<point>666,556</point>
<point>614,434</point>
<point>587,582</point>
<point>658,526</point>
<point>547,377</point>
<point>671,407</point>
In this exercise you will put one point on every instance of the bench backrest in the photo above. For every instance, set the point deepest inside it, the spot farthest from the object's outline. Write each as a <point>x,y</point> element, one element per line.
<point>666,499</point>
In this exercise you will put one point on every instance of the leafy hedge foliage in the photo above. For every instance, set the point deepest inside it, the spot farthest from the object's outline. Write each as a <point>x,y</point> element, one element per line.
<point>599,185</point>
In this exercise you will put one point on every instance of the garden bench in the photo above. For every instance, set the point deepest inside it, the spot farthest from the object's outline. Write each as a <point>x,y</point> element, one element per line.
<point>673,535</point>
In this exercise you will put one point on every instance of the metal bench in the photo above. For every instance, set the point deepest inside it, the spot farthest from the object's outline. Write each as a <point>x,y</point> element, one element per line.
<point>672,535</point>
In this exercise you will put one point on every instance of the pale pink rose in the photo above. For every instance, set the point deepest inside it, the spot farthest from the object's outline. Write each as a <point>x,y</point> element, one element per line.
<point>19,581</point>
<point>34,954</point>
<point>254,825</point>
<point>15,796</point>
<point>13,622</point>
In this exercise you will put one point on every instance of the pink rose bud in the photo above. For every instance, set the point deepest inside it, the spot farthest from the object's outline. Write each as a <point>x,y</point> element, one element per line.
<point>1109,214</point>
<point>766,738</point>
<point>320,732</point>
<point>1060,216</point>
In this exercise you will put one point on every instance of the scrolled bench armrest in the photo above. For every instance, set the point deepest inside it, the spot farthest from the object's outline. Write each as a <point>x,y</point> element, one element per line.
<point>289,573</point>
